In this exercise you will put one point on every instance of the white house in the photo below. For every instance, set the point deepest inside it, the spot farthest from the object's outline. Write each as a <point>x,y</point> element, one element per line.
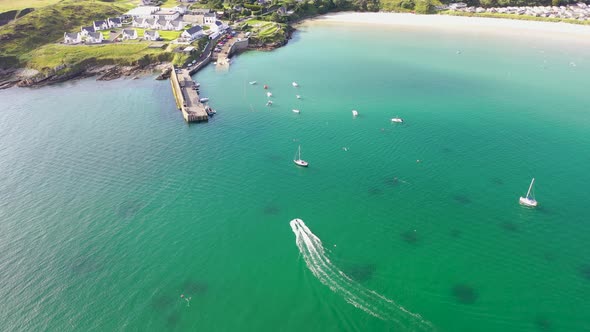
<point>193,33</point>
<point>100,25</point>
<point>94,38</point>
<point>86,30</point>
<point>209,18</point>
<point>138,22</point>
<point>167,15</point>
<point>114,22</point>
<point>218,26</point>
<point>180,9</point>
<point>149,23</point>
<point>176,25</point>
<point>162,24</point>
<point>129,34</point>
<point>151,35</point>
<point>72,38</point>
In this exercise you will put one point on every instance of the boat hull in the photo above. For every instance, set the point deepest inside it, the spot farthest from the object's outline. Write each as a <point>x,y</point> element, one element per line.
<point>527,202</point>
<point>301,163</point>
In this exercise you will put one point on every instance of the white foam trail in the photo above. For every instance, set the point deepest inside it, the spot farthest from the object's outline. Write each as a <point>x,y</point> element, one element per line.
<point>375,304</point>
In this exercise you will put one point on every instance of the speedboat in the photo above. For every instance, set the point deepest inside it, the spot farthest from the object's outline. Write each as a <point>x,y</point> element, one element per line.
<point>252,83</point>
<point>269,94</point>
<point>298,96</point>
<point>265,86</point>
<point>295,84</point>
<point>355,113</point>
<point>204,100</point>
<point>296,111</point>
<point>396,119</point>
<point>268,103</point>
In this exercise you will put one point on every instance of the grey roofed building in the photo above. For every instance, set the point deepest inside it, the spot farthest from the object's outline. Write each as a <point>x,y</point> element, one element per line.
<point>194,29</point>
<point>88,29</point>
<point>114,20</point>
<point>150,33</point>
<point>95,35</point>
<point>162,22</point>
<point>150,21</point>
<point>177,24</point>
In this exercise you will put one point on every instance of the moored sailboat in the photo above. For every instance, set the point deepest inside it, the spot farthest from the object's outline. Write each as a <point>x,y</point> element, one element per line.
<point>297,159</point>
<point>529,199</point>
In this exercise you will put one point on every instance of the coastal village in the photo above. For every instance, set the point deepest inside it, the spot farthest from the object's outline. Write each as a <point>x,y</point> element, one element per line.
<point>151,23</point>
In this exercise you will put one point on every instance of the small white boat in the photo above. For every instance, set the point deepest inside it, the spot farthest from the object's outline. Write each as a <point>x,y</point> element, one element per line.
<point>295,84</point>
<point>296,111</point>
<point>355,113</point>
<point>197,84</point>
<point>253,82</point>
<point>268,103</point>
<point>204,100</point>
<point>396,119</point>
<point>298,96</point>
<point>269,94</point>
<point>529,199</point>
<point>298,161</point>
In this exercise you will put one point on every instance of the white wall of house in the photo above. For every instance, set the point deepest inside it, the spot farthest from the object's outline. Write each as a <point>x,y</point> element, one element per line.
<point>69,40</point>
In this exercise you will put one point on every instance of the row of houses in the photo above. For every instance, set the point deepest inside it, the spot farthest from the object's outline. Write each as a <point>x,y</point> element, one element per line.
<point>158,24</point>
<point>579,11</point>
<point>77,38</point>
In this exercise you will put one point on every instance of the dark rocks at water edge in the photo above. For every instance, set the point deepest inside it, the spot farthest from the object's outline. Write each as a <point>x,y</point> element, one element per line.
<point>103,73</point>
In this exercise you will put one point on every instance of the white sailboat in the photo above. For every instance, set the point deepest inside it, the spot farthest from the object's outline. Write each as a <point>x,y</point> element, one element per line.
<point>529,199</point>
<point>397,119</point>
<point>269,94</point>
<point>298,161</point>
<point>253,82</point>
<point>355,113</point>
<point>295,84</point>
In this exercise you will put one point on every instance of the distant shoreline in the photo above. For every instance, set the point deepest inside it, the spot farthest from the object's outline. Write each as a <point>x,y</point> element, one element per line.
<point>461,23</point>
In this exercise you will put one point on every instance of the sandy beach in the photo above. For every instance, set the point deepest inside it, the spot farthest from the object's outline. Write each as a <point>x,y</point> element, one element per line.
<point>467,24</point>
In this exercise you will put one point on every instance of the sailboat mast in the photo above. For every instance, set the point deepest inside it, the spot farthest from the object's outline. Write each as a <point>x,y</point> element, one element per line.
<point>530,187</point>
<point>299,152</point>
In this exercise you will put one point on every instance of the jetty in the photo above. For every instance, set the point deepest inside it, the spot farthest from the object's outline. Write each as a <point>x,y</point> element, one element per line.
<point>187,96</point>
<point>186,91</point>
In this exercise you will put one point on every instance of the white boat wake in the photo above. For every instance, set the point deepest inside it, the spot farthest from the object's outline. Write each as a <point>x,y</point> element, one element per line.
<point>319,264</point>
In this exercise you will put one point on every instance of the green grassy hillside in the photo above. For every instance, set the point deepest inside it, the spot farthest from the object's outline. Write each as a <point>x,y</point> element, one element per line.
<point>48,24</point>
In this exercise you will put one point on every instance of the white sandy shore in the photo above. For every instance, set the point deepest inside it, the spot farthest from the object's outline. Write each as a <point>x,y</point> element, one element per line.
<point>470,24</point>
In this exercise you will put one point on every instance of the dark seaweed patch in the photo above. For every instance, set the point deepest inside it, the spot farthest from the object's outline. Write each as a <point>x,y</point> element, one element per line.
<point>129,209</point>
<point>375,191</point>
<point>460,198</point>
<point>192,287</point>
<point>360,272</point>
<point>85,265</point>
<point>456,233</point>
<point>585,271</point>
<point>271,209</point>
<point>497,181</point>
<point>509,226</point>
<point>172,319</point>
<point>410,236</point>
<point>543,323</point>
<point>447,150</point>
<point>465,294</point>
<point>162,302</point>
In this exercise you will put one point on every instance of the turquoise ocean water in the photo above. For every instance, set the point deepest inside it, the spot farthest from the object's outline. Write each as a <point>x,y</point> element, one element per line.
<point>111,207</point>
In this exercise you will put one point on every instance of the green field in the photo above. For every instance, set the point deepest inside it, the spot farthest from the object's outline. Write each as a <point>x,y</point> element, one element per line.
<point>265,30</point>
<point>47,25</point>
<point>52,55</point>
<point>6,5</point>
<point>164,35</point>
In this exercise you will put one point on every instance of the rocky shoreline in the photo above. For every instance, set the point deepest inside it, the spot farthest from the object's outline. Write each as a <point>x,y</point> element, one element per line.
<point>31,78</point>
